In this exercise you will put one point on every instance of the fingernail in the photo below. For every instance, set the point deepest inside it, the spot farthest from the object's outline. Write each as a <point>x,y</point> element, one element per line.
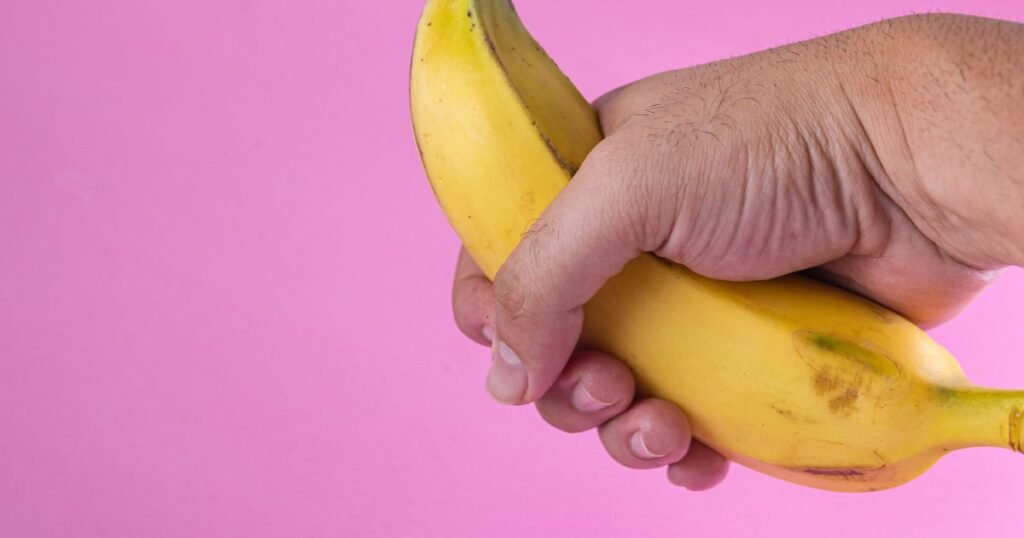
<point>489,333</point>
<point>507,379</point>
<point>584,401</point>
<point>639,447</point>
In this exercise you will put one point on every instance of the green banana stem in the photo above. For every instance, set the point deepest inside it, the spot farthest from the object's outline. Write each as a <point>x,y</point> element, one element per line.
<point>976,416</point>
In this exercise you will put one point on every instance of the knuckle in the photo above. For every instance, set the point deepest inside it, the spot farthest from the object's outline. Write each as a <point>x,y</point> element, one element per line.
<point>510,296</point>
<point>618,107</point>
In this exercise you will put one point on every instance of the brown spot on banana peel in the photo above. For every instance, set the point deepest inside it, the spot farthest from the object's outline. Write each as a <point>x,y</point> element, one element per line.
<point>786,413</point>
<point>824,381</point>
<point>791,415</point>
<point>844,473</point>
<point>844,401</point>
<point>854,474</point>
<point>841,382</point>
<point>841,390</point>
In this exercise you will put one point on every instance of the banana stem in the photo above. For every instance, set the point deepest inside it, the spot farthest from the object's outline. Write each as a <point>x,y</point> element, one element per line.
<point>976,416</point>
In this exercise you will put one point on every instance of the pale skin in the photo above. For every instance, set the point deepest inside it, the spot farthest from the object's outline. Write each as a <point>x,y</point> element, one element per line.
<point>888,159</point>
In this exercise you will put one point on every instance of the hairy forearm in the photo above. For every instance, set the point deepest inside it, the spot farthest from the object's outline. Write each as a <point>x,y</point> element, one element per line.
<point>943,101</point>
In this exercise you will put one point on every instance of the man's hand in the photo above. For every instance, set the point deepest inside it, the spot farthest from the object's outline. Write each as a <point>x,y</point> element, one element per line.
<point>888,160</point>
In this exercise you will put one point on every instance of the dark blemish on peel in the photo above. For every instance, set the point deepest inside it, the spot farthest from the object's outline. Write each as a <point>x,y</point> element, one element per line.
<point>842,384</point>
<point>824,382</point>
<point>784,412</point>
<point>844,392</point>
<point>842,473</point>
<point>844,400</point>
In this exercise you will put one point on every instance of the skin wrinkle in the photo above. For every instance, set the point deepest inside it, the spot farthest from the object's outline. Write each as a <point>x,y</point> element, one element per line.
<point>626,178</point>
<point>715,113</point>
<point>745,207</point>
<point>854,202</point>
<point>873,166</point>
<point>802,145</point>
<point>850,177</point>
<point>874,228</point>
<point>728,235</point>
<point>831,196</point>
<point>684,243</point>
<point>847,178</point>
<point>808,195</point>
<point>864,206</point>
<point>637,203</point>
<point>653,230</point>
<point>907,150</point>
<point>659,138</point>
<point>689,112</point>
<point>703,199</point>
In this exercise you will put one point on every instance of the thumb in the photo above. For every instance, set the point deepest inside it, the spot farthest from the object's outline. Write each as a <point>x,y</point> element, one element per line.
<point>581,240</point>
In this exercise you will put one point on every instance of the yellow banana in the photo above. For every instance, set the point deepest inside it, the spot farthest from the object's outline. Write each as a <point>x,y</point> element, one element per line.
<point>791,377</point>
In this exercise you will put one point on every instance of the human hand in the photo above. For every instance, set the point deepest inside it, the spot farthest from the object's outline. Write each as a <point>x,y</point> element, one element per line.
<point>808,158</point>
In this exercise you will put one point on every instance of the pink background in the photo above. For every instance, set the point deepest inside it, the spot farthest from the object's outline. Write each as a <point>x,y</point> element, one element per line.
<point>224,289</point>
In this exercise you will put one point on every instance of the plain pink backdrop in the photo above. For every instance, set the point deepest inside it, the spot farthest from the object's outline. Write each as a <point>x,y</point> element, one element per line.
<point>224,289</point>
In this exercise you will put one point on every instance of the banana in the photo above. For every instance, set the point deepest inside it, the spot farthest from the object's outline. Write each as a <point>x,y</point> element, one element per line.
<point>790,377</point>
